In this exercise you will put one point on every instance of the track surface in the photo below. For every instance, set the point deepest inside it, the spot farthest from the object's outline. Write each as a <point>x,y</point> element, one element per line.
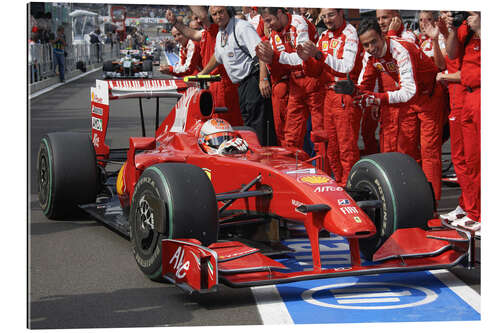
<point>82,274</point>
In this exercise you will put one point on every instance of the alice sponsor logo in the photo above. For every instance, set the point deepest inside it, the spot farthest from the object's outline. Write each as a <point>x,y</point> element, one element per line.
<point>95,140</point>
<point>181,268</point>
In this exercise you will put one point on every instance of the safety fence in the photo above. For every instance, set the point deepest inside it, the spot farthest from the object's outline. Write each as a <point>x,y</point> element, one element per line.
<point>42,66</point>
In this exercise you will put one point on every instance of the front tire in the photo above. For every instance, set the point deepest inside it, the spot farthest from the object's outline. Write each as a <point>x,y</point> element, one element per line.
<point>67,174</point>
<point>400,184</point>
<point>170,200</point>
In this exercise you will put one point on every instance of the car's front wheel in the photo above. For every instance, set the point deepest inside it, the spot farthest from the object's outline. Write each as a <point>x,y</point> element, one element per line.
<point>398,182</point>
<point>170,200</point>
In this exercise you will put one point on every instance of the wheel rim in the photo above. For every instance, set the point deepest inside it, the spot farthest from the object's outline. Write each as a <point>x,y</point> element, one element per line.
<point>146,234</point>
<point>43,180</point>
<point>375,214</point>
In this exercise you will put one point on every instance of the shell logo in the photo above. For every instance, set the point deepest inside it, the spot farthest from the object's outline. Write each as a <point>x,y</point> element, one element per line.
<point>315,180</point>
<point>277,39</point>
<point>92,96</point>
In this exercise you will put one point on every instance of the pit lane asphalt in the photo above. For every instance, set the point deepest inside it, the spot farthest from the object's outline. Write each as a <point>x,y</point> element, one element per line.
<point>82,274</point>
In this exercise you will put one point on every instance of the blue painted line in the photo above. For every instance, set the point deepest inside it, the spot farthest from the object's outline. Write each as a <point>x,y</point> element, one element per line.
<point>393,297</point>
<point>172,58</point>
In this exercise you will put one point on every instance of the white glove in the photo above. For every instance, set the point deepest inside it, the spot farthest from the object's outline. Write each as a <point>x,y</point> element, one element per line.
<point>233,146</point>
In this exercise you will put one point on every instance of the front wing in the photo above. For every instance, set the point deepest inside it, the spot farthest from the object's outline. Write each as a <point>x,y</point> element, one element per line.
<point>194,267</point>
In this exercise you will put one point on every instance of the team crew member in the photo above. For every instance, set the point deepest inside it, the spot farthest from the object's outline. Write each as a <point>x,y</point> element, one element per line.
<point>224,92</point>
<point>189,57</point>
<point>279,86</point>
<point>252,15</point>
<point>392,26</point>
<point>391,116</point>
<point>431,40</point>
<point>339,54</point>
<point>414,73</point>
<point>304,97</point>
<point>235,49</point>
<point>467,39</point>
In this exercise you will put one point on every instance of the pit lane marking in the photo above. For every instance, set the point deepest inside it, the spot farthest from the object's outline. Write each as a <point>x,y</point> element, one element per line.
<point>465,292</point>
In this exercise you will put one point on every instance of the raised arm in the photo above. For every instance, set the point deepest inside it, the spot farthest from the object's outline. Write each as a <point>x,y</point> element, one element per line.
<point>183,29</point>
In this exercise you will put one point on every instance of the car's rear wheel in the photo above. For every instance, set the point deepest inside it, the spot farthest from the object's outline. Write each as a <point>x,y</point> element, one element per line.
<point>170,200</point>
<point>400,184</point>
<point>147,66</point>
<point>67,174</point>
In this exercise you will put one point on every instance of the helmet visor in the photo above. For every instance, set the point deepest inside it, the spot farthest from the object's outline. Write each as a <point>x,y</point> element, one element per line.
<point>216,139</point>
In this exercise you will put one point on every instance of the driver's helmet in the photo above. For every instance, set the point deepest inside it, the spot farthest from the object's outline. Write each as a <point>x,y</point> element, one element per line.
<point>213,133</point>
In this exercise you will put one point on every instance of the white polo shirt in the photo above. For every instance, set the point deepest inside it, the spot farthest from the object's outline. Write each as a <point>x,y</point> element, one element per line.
<point>237,64</point>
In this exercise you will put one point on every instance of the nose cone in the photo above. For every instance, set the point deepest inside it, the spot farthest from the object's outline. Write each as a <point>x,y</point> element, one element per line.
<point>349,221</point>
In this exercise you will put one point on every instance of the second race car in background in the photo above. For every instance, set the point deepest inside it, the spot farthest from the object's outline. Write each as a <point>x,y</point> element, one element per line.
<point>133,64</point>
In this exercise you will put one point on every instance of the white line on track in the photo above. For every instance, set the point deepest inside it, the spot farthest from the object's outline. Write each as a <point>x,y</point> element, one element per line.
<point>462,290</point>
<point>43,91</point>
<point>271,307</point>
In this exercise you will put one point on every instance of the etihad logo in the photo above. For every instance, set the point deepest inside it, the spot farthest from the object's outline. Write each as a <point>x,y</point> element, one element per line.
<point>315,180</point>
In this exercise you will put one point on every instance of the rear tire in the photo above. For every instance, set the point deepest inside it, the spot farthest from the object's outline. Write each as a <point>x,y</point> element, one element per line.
<point>67,174</point>
<point>147,66</point>
<point>170,200</point>
<point>398,181</point>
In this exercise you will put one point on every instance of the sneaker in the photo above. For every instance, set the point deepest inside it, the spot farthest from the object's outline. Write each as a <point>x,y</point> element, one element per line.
<point>455,214</point>
<point>466,223</point>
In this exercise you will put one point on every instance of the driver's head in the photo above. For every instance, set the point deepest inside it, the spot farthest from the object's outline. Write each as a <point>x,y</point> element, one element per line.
<point>213,133</point>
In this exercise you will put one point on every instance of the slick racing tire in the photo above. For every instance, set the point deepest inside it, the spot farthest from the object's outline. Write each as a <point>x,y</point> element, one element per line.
<point>147,66</point>
<point>400,184</point>
<point>170,200</point>
<point>108,66</point>
<point>66,174</point>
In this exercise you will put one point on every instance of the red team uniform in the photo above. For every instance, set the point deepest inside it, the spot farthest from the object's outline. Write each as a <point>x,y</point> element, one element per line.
<point>341,54</point>
<point>304,97</point>
<point>413,76</point>
<point>189,60</point>
<point>471,121</point>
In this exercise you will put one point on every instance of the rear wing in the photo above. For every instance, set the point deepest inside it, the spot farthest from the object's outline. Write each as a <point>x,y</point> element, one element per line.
<point>104,91</point>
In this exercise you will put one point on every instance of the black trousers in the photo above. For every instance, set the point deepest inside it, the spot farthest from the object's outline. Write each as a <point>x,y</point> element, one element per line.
<point>257,111</point>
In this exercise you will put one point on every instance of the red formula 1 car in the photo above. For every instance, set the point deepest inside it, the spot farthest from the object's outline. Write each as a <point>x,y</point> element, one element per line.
<point>200,219</point>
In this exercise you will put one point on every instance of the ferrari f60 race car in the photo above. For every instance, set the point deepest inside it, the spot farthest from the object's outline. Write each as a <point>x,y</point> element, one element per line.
<point>198,220</point>
<point>133,64</point>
